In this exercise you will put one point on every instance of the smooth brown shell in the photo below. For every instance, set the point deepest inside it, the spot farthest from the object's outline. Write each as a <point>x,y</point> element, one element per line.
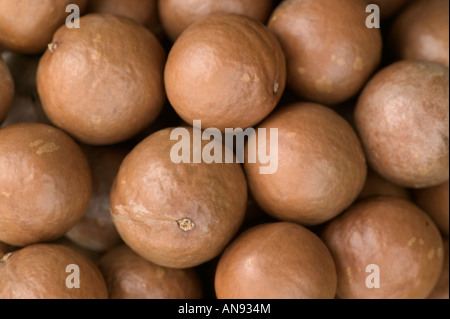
<point>176,215</point>
<point>45,183</point>
<point>96,230</point>
<point>402,117</point>
<point>227,71</point>
<point>177,15</point>
<point>27,26</point>
<point>129,276</point>
<point>421,32</point>
<point>441,290</point>
<point>393,234</point>
<point>276,261</point>
<point>435,201</point>
<point>6,90</point>
<point>117,64</point>
<point>378,186</point>
<point>144,12</point>
<point>330,52</point>
<point>40,272</point>
<point>388,8</point>
<point>321,165</point>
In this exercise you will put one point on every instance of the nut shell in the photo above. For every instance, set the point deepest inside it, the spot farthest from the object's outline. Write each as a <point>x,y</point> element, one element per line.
<point>129,276</point>
<point>45,183</point>
<point>330,52</point>
<point>421,32</point>
<point>27,26</point>
<point>321,165</point>
<point>176,215</point>
<point>276,261</point>
<point>117,64</point>
<point>402,117</point>
<point>40,272</point>
<point>393,234</point>
<point>237,75</point>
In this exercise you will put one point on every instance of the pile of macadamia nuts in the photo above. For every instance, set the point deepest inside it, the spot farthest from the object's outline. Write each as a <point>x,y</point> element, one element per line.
<point>224,149</point>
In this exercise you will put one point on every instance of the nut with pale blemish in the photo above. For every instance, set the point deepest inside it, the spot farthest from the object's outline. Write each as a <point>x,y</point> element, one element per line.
<point>324,85</point>
<point>336,71</point>
<point>392,233</point>
<point>402,117</point>
<point>45,195</point>
<point>186,224</point>
<point>111,101</point>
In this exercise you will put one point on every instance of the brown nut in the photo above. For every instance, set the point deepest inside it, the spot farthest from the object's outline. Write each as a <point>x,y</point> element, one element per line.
<point>27,26</point>
<point>435,201</point>
<point>402,117</point>
<point>329,49</point>
<point>385,248</point>
<point>45,183</point>
<point>6,90</point>
<point>321,165</point>
<point>49,271</point>
<point>96,230</point>
<point>102,83</point>
<point>421,32</point>
<point>177,15</point>
<point>276,261</point>
<point>227,71</point>
<point>176,215</point>
<point>129,276</point>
